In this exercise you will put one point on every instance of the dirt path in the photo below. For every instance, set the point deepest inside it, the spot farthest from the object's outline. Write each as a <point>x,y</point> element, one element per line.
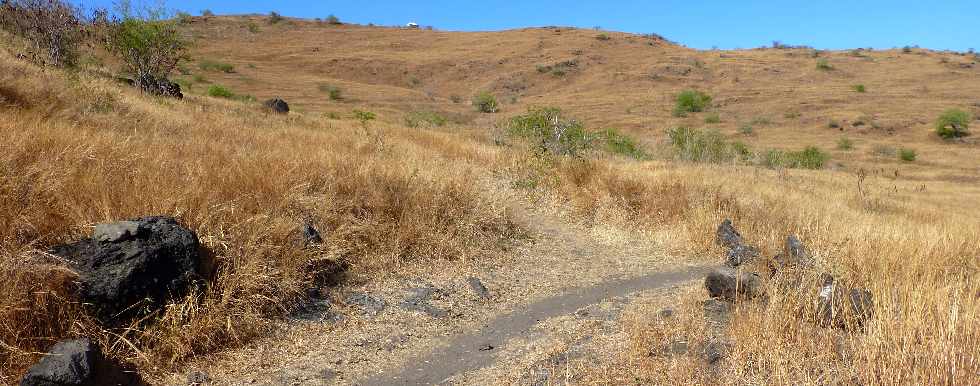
<point>476,350</point>
<point>431,327</point>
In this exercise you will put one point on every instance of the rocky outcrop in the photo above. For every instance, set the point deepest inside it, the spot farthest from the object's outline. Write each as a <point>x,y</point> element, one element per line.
<point>738,251</point>
<point>841,306</point>
<point>277,105</point>
<point>77,362</point>
<point>144,261</point>
<point>158,86</point>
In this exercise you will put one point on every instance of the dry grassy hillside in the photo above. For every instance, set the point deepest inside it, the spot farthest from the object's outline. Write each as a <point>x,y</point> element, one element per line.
<point>79,149</point>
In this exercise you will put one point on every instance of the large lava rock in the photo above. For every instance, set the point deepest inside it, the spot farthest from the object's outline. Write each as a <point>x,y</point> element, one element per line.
<point>148,260</point>
<point>77,362</point>
<point>277,105</point>
<point>158,86</point>
<point>730,284</point>
<point>738,251</point>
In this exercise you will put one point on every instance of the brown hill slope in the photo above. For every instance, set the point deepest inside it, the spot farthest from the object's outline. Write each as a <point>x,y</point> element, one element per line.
<point>608,79</point>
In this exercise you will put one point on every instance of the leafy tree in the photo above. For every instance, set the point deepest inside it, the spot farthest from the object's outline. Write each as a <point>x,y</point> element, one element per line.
<point>52,27</point>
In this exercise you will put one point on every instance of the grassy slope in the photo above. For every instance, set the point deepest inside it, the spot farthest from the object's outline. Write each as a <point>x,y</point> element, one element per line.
<point>129,154</point>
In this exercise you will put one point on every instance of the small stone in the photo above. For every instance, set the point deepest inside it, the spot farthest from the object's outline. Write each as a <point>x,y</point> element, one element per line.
<point>741,254</point>
<point>310,235</point>
<point>478,288</point>
<point>716,351</point>
<point>666,313</point>
<point>78,362</point>
<point>727,236</point>
<point>197,378</point>
<point>840,307</point>
<point>677,347</point>
<point>277,105</point>
<point>370,304</point>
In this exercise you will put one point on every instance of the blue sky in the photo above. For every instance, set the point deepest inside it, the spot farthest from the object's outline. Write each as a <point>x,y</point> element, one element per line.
<point>831,24</point>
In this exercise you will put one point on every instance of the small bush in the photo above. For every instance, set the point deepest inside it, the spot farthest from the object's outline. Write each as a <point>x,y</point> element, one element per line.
<point>858,88</point>
<point>207,13</point>
<point>883,151</point>
<point>425,119</point>
<point>364,116</point>
<point>712,118</point>
<point>252,27</point>
<point>331,19</point>
<point>774,159</point>
<point>551,131</point>
<point>824,64</point>
<point>619,143</point>
<point>907,155</point>
<point>953,123</point>
<point>833,124</point>
<point>760,121</point>
<point>220,91</point>
<point>208,65</point>
<point>198,78</point>
<point>456,98</point>
<point>691,101</point>
<point>792,114</point>
<point>603,37</point>
<point>907,49</point>
<point>810,158</point>
<point>845,143</point>
<point>746,129</point>
<point>183,17</point>
<point>274,17</point>
<point>332,91</point>
<point>485,102</point>
<point>699,146</point>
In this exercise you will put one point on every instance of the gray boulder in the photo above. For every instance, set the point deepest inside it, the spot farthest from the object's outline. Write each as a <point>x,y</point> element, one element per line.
<point>311,236</point>
<point>727,236</point>
<point>741,254</point>
<point>158,86</point>
<point>147,260</point>
<point>794,255</point>
<point>77,362</point>
<point>730,284</point>
<point>478,288</point>
<point>277,105</point>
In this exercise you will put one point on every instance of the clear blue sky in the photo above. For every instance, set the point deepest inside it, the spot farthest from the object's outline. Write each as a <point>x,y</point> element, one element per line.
<point>832,24</point>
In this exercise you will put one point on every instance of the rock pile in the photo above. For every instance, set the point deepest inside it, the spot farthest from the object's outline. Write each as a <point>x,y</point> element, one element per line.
<point>158,86</point>
<point>78,362</point>
<point>277,105</point>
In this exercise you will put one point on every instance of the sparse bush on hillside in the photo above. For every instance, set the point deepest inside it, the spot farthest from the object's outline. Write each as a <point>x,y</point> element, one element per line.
<point>425,119</point>
<point>824,64</point>
<point>907,49</point>
<point>332,91</point>
<point>907,155</point>
<point>220,91</point>
<point>52,28</point>
<point>456,98</point>
<point>858,88</point>
<point>712,118</point>
<point>331,19</point>
<point>274,17</point>
<point>622,144</point>
<point>146,44</point>
<point>691,101</point>
<point>551,131</point>
<point>485,102</point>
<point>845,143</point>
<point>833,124</point>
<point>209,65</point>
<point>364,116</point>
<point>700,145</point>
<point>809,158</point>
<point>746,129</point>
<point>603,37</point>
<point>881,150</point>
<point>207,13</point>
<point>252,27</point>
<point>183,17</point>
<point>953,123</point>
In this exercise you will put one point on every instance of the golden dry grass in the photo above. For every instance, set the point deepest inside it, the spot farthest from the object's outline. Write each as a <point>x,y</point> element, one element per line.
<point>384,197</point>
<point>390,197</point>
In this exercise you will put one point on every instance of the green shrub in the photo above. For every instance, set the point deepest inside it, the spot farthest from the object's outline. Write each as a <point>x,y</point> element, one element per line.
<point>364,116</point>
<point>953,123</point>
<point>845,143</point>
<point>809,158</point>
<point>252,27</point>
<point>425,119</point>
<point>274,17</point>
<point>691,101</point>
<point>858,88</point>
<point>551,131</point>
<point>208,65</point>
<point>53,27</point>
<point>760,121</point>
<point>746,129</point>
<point>183,17</point>
<point>146,44</point>
<point>907,155</point>
<point>485,102</point>
<point>774,159</point>
<point>198,78</point>
<point>742,151</point>
<point>207,13</point>
<point>699,146</point>
<point>332,91</point>
<point>824,64</point>
<point>603,37</point>
<point>622,144</point>
<point>331,19</point>
<point>712,118</point>
<point>220,91</point>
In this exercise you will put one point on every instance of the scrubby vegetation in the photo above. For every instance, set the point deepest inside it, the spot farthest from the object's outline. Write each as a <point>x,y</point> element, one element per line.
<point>53,28</point>
<point>333,92</point>
<point>425,119</point>
<point>485,102</point>
<point>691,101</point>
<point>907,155</point>
<point>210,65</point>
<point>953,123</point>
